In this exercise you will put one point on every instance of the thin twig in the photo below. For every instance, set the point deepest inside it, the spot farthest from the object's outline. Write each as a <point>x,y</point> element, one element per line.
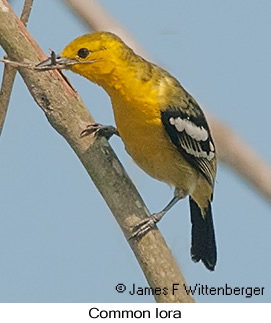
<point>10,72</point>
<point>37,67</point>
<point>26,11</point>
<point>234,151</point>
<point>86,9</point>
<point>31,66</point>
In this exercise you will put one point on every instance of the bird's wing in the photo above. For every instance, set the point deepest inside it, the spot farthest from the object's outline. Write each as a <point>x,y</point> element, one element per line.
<point>189,132</point>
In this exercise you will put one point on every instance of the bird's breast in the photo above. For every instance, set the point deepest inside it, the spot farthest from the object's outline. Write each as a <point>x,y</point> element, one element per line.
<point>142,131</point>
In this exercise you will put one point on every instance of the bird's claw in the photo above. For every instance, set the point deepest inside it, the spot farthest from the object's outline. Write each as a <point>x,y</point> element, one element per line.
<point>91,128</point>
<point>99,130</point>
<point>141,228</point>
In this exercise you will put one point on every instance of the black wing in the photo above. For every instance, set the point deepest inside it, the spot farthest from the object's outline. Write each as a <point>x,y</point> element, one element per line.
<point>189,132</point>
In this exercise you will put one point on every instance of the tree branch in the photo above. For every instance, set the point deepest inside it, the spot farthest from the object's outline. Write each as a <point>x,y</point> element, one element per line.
<point>5,92</point>
<point>87,9</point>
<point>68,115</point>
<point>10,72</point>
<point>234,152</point>
<point>231,149</point>
<point>26,11</point>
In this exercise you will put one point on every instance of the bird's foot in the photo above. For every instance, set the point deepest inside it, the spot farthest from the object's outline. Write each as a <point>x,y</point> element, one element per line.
<point>99,130</point>
<point>144,226</point>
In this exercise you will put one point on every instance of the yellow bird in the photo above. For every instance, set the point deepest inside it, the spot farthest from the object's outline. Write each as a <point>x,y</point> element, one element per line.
<point>163,128</point>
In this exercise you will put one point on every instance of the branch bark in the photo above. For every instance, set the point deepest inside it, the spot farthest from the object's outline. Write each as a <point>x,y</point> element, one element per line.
<point>68,115</point>
<point>231,149</point>
<point>10,72</point>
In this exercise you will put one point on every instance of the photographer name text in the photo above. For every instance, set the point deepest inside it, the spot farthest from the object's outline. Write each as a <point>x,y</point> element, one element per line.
<point>197,289</point>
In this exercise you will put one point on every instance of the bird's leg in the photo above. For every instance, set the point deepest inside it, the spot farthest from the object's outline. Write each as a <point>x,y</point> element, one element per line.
<point>147,224</point>
<point>100,130</point>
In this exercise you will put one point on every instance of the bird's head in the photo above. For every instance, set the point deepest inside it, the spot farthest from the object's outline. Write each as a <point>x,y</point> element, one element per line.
<point>93,55</point>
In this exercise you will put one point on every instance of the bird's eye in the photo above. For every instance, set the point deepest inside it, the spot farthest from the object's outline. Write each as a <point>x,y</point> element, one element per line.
<point>83,52</point>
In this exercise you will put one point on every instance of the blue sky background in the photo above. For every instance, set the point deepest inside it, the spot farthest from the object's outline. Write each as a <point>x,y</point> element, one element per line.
<point>58,240</point>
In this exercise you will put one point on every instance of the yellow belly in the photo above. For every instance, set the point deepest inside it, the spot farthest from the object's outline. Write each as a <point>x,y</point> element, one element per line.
<point>148,144</point>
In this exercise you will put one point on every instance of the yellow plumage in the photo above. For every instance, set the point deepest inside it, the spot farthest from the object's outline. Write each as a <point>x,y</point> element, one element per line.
<point>170,147</point>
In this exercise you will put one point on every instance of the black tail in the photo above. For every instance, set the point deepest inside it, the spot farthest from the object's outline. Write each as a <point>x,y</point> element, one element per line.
<point>203,236</point>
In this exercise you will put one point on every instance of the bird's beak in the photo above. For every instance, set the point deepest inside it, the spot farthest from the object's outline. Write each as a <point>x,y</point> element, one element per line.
<point>56,62</point>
